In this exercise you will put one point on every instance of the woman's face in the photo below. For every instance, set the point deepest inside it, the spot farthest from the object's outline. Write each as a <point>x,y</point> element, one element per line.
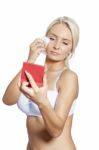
<point>60,44</point>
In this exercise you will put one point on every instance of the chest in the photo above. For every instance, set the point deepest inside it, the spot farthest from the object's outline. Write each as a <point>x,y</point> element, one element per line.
<point>52,80</point>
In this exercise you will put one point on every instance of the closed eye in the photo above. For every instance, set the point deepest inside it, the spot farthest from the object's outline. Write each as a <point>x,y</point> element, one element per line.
<point>65,43</point>
<point>51,38</point>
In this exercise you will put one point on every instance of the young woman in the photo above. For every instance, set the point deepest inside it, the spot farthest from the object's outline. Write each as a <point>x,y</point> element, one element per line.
<point>49,108</point>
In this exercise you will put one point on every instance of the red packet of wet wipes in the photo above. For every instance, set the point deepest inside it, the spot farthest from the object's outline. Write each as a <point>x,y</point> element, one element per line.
<point>37,72</point>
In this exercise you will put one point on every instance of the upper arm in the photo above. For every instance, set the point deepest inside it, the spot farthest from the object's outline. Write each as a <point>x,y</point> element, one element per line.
<point>68,92</point>
<point>12,92</point>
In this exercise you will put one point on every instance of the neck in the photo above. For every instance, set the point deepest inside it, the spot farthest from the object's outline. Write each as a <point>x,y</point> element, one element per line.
<point>55,66</point>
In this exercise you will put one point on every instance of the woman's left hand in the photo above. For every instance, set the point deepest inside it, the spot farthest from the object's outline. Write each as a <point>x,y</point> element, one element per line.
<point>35,93</point>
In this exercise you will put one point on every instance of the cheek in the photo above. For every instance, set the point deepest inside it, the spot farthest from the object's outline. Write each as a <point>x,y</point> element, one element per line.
<point>49,47</point>
<point>67,50</point>
<point>64,55</point>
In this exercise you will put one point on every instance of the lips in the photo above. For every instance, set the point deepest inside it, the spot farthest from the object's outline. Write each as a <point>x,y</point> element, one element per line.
<point>54,53</point>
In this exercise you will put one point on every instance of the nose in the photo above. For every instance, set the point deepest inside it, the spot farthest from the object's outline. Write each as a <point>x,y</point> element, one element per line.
<point>57,45</point>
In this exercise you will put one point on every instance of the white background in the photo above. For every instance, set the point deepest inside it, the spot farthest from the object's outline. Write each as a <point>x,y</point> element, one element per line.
<point>21,21</point>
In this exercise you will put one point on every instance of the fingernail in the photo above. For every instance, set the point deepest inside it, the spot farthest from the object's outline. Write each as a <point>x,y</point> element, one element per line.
<point>26,72</point>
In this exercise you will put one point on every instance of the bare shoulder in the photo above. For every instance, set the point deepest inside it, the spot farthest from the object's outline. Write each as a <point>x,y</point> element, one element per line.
<point>69,81</point>
<point>69,73</point>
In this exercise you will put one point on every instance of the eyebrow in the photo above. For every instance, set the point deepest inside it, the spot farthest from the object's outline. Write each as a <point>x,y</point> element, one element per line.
<point>63,38</point>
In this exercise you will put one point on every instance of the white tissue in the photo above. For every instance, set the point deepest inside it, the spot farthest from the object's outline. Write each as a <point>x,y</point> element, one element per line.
<point>45,39</point>
<point>41,59</point>
<point>42,56</point>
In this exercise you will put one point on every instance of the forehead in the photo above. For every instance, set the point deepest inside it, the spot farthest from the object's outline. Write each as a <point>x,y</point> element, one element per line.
<point>61,30</point>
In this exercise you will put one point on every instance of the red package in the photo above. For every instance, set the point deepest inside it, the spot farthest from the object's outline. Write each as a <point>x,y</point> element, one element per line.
<point>37,72</point>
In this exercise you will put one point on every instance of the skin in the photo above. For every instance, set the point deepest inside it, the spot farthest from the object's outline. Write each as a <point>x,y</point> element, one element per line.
<point>47,132</point>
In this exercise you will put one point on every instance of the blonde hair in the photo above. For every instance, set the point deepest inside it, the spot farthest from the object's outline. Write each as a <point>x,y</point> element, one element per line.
<point>72,26</point>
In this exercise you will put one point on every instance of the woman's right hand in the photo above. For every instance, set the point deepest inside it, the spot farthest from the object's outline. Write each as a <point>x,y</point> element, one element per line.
<point>36,47</point>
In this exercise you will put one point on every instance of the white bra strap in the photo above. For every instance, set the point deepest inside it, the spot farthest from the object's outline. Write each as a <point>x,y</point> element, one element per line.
<point>58,78</point>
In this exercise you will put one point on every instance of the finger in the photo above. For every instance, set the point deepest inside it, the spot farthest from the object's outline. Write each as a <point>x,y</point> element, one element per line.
<point>31,81</point>
<point>24,84</point>
<point>38,47</point>
<point>26,90</point>
<point>37,41</point>
<point>28,96</point>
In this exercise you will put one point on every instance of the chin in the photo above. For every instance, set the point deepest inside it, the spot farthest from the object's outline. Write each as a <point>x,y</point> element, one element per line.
<point>54,59</point>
